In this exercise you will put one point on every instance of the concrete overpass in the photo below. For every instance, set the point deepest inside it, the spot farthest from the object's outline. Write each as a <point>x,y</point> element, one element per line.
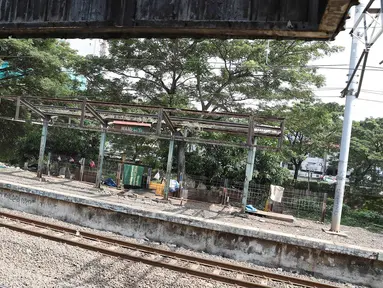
<point>272,19</point>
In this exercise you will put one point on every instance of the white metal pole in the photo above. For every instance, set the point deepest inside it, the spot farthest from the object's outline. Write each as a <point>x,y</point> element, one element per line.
<point>101,157</point>
<point>347,124</point>
<point>43,142</point>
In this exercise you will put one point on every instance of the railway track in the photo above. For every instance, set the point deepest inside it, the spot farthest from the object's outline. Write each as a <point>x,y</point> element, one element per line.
<point>201,267</point>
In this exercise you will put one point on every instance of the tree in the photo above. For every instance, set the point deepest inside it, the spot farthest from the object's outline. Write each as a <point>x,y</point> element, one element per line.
<point>31,67</point>
<point>211,75</point>
<point>37,67</point>
<point>312,127</point>
<point>65,142</point>
<point>366,151</point>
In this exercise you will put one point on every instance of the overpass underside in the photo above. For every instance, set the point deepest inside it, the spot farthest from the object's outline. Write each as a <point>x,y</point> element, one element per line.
<point>273,19</point>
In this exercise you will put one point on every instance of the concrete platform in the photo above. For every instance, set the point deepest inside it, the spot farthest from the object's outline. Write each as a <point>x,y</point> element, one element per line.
<point>159,222</point>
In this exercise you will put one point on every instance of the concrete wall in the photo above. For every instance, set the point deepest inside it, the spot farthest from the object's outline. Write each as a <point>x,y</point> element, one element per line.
<point>345,263</point>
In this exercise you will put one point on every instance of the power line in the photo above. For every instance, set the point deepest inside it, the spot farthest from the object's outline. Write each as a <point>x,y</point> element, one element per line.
<point>362,99</point>
<point>323,66</point>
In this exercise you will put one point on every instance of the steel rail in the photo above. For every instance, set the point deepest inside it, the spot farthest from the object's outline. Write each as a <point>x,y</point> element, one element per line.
<point>157,251</point>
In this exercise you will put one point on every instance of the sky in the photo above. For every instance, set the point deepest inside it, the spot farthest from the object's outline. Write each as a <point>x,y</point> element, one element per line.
<point>367,105</point>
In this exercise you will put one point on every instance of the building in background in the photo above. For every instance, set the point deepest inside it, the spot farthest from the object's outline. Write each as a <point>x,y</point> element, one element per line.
<point>315,168</point>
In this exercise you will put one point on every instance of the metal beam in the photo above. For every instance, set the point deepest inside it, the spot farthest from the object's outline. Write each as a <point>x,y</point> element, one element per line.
<point>250,133</point>
<point>95,114</point>
<point>43,142</point>
<point>17,114</point>
<point>357,21</point>
<point>356,68</point>
<point>100,158</point>
<point>168,121</point>
<point>150,107</point>
<point>154,136</point>
<point>362,74</point>
<point>159,122</point>
<point>249,176</point>
<point>169,168</point>
<point>32,108</point>
<point>83,110</point>
<point>281,138</point>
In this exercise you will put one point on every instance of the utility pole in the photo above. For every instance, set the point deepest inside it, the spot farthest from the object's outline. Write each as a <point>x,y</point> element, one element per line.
<point>347,123</point>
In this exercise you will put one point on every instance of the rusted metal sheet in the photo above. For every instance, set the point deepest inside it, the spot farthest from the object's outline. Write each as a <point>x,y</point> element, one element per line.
<point>314,19</point>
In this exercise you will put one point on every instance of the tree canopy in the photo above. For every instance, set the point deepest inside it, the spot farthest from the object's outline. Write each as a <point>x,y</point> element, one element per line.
<point>312,127</point>
<point>366,151</point>
<point>209,74</point>
<point>36,68</point>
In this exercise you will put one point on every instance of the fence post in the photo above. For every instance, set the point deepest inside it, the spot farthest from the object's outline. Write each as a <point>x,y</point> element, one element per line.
<point>149,178</point>
<point>49,164</point>
<point>324,206</point>
<point>82,168</point>
<point>118,178</point>
<point>225,185</point>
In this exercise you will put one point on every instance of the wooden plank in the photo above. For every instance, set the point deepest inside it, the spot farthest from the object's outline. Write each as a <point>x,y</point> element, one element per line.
<point>271,215</point>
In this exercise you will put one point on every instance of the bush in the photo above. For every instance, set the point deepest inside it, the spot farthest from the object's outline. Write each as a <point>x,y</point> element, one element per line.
<point>362,218</point>
<point>358,218</point>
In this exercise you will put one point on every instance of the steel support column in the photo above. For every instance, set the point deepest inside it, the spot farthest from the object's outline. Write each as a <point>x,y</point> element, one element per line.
<point>100,158</point>
<point>249,175</point>
<point>169,168</point>
<point>43,142</point>
<point>17,114</point>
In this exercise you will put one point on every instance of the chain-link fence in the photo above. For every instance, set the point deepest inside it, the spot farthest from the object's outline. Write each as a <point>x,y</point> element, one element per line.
<point>300,203</point>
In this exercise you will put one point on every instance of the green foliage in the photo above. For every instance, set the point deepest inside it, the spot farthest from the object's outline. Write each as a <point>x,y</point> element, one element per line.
<point>34,67</point>
<point>366,152</point>
<point>212,75</point>
<point>375,204</point>
<point>215,74</point>
<point>268,170</point>
<point>59,141</point>
<point>352,217</point>
<point>312,127</point>
<point>37,67</point>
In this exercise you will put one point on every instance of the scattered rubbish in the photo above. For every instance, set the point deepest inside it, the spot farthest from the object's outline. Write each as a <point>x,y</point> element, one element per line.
<point>250,208</point>
<point>110,182</point>
<point>157,176</point>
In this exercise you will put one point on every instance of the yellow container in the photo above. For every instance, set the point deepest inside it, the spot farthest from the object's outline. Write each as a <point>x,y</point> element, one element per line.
<point>158,187</point>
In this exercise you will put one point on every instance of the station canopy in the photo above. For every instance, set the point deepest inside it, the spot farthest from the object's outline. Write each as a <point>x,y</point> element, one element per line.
<point>272,19</point>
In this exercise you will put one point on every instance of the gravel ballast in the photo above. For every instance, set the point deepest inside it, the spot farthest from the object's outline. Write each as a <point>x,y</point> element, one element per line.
<point>28,261</point>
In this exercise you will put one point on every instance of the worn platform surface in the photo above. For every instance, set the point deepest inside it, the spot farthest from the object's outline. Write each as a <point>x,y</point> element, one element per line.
<point>360,242</point>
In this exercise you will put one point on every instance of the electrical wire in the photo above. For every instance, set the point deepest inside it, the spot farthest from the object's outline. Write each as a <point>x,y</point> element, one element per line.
<point>362,99</point>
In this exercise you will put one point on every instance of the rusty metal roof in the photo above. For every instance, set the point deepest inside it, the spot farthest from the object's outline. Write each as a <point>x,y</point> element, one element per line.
<point>125,123</point>
<point>276,19</point>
